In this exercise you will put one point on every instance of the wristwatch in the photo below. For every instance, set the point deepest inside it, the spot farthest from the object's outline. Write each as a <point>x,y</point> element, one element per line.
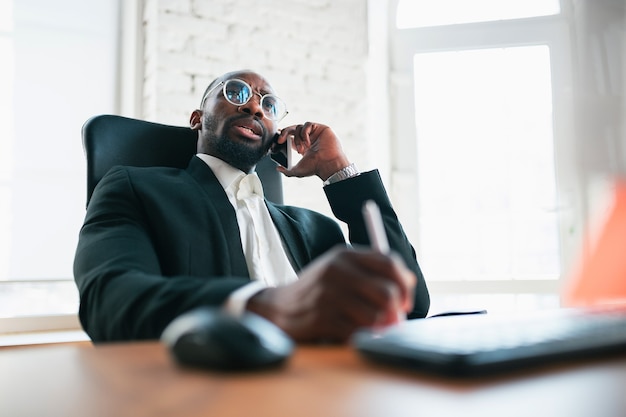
<point>343,174</point>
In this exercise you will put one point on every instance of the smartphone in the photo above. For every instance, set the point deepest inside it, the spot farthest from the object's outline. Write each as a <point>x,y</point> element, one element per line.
<point>281,154</point>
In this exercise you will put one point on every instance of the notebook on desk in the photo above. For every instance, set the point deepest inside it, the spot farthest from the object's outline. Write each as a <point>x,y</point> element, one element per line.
<point>487,343</point>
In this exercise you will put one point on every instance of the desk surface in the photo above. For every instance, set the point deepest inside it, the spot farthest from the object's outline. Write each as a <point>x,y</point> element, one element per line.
<point>140,379</point>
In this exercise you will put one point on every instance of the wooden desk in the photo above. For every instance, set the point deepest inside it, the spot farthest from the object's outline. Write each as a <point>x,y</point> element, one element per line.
<point>141,380</point>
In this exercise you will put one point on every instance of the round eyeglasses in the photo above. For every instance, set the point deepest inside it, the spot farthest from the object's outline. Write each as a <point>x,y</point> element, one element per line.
<point>238,92</point>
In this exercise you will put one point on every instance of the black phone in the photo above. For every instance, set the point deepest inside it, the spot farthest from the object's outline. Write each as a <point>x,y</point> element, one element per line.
<point>281,154</point>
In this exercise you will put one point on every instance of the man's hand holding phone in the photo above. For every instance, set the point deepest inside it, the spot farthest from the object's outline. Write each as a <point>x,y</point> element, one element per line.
<point>319,147</point>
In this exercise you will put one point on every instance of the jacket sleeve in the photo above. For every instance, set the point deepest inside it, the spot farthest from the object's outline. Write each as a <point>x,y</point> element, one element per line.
<point>124,293</point>
<point>346,199</point>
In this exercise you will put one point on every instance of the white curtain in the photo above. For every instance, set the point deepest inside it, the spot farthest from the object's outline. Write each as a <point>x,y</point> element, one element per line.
<point>599,38</point>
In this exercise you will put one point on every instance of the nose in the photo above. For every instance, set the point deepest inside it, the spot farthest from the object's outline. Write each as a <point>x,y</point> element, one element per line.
<point>253,106</point>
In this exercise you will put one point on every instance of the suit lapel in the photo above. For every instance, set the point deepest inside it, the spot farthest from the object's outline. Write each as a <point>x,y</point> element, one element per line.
<point>224,213</point>
<point>291,236</point>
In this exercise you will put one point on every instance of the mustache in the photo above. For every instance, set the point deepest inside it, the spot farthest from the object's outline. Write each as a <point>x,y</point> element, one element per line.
<point>246,116</point>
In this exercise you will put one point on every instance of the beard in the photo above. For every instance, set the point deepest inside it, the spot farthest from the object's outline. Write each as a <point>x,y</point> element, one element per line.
<point>243,156</point>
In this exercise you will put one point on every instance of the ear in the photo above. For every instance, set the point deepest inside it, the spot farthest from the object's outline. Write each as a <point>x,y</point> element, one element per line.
<point>195,120</point>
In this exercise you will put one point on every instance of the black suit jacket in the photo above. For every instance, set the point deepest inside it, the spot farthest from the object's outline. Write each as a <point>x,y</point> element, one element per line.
<point>157,242</point>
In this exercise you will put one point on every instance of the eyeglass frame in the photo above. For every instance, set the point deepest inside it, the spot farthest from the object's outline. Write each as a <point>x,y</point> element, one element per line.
<point>223,85</point>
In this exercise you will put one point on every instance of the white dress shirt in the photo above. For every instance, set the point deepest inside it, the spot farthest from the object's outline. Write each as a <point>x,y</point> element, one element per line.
<point>266,257</point>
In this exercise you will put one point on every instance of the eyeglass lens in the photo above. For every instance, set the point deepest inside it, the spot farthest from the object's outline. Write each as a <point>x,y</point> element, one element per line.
<point>239,93</point>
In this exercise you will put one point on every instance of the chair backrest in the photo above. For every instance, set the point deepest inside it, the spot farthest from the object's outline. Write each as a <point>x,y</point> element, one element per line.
<point>110,140</point>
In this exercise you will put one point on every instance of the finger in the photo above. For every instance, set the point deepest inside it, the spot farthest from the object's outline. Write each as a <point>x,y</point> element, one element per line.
<point>305,135</point>
<point>283,170</point>
<point>321,325</point>
<point>297,132</point>
<point>382,295</point>
<point>341,328</point>
<point>301,169</point>
<point>302,140</point>
<point>361,311</point>
<point>409,278</point>
<point>368,289</point>
<point>334,325</point>
<point>284,133</point>
<point>380,270</point>
<point>294,131</point>
<point>397,271</point>
<point>307,130</point>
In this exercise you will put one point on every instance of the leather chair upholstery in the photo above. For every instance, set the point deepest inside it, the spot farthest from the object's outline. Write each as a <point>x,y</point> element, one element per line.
<point>110,140</point>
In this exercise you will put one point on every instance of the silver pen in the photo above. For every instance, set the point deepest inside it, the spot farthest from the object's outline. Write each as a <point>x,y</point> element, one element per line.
<point>375,227</point>
<point>377,235</point>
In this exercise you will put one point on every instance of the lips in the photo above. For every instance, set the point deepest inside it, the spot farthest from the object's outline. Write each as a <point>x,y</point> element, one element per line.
<point>248,127</point>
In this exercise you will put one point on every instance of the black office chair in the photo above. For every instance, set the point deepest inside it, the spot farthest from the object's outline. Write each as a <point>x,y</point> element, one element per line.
<point>110,140</point>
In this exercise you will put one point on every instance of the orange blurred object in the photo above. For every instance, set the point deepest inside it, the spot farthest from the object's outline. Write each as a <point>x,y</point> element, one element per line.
<point>601,276</point>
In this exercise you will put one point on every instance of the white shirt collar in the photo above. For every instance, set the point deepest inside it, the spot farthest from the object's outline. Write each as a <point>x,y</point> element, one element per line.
<point>226,174</point>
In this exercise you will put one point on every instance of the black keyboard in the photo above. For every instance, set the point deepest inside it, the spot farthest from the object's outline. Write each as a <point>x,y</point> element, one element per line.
<point>487,343</point>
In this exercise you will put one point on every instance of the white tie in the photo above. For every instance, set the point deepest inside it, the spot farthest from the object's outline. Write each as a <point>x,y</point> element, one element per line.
<point>248,186</point>
<point>265,256</point>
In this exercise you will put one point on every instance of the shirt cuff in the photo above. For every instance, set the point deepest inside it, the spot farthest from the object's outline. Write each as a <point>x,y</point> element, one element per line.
<point>235,304</point>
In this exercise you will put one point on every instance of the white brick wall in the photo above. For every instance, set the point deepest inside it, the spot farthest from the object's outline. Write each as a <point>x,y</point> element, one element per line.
<point>314,52</point>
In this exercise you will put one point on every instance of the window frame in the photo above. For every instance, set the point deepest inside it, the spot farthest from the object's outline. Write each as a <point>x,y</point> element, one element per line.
<point>129,103</point>
<point>552,31</point>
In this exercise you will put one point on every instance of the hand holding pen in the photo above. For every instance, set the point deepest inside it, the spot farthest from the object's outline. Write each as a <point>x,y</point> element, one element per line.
<point>343,290</point>
<point>378,240</point>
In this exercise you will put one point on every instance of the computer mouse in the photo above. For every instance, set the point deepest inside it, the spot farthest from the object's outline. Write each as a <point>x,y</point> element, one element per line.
<point>214,339</point>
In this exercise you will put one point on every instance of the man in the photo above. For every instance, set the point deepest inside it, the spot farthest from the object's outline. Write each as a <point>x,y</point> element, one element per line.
<point>158,242</point>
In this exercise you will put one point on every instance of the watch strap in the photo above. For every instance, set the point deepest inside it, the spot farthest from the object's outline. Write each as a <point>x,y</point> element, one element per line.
<point>343,174</point>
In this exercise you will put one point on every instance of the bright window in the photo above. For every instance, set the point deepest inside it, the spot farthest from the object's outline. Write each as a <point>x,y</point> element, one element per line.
<point>6,15</point>
<point>423,13</point>
<point>475,132</point>
<point>486,175</point>
<point>6,127</point>
<point>59,65</point>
